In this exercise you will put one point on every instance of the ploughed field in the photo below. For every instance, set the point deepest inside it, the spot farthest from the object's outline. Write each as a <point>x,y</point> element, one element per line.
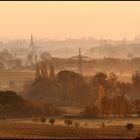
<point>9,129</point>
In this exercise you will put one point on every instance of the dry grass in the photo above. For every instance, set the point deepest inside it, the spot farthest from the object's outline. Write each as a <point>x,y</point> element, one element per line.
<point>44,131</point>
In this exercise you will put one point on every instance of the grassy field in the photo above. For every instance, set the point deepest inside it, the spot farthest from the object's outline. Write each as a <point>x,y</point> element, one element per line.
<point>44,131</point>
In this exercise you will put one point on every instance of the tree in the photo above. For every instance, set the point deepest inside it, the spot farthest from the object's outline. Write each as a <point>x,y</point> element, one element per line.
<point>113,83</point>
<point>45,56</point>
<point>66,76</point>
<point>68,122</point>
<point>120,106</point>
<point>52,121</point>
<point>10,98</point>
<point>90,111</point>
<point>13,105</point>
<point>29,58</point>
<point>136,81</point>
<point>43,119</point>
<point>136,77</point>
<point>52,72</point>
<point>43,69</point>
<point>129,126</point>
<point>101,95</point>
<point>100,79</point>
<point>73,86</point>
<point>113,77</point>
<point>105,106</point>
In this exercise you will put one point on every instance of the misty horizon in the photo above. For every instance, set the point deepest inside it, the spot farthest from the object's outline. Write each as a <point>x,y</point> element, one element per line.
<point>86,38</point>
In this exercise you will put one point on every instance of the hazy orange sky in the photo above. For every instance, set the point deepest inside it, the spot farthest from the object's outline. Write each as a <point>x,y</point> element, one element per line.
<point>69,19</point>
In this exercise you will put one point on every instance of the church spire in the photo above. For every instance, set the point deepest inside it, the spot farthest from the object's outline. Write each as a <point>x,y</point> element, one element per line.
<point>31,41</point>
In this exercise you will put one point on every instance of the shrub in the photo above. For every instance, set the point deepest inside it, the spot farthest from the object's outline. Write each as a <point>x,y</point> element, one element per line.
<point>68,122</point>
<point>52,121</point>
<point>43,119</point>
<point>129,126</point>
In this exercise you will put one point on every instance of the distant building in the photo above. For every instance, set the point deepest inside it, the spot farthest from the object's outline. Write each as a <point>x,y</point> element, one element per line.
<point>32,51</point>
<point>33,47</point>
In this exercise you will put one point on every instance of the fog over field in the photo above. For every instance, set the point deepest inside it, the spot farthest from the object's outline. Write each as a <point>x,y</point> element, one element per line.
<point>95,48</point>
<point>70,69</point>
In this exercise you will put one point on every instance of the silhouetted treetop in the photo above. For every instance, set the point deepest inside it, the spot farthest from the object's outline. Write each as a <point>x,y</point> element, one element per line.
<point>69,76</point>
<point>10,97</point>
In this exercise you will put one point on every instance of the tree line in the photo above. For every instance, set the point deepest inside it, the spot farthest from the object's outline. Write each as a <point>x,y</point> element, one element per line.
<point>100,94</point>
<point>13,105</point>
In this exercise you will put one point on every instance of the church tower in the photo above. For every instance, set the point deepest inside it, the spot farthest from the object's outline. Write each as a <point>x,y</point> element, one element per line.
<point>32,46</point>
<point>31,41</point>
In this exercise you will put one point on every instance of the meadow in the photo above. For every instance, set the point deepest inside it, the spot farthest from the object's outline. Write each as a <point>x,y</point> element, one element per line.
<point>16,130</point>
